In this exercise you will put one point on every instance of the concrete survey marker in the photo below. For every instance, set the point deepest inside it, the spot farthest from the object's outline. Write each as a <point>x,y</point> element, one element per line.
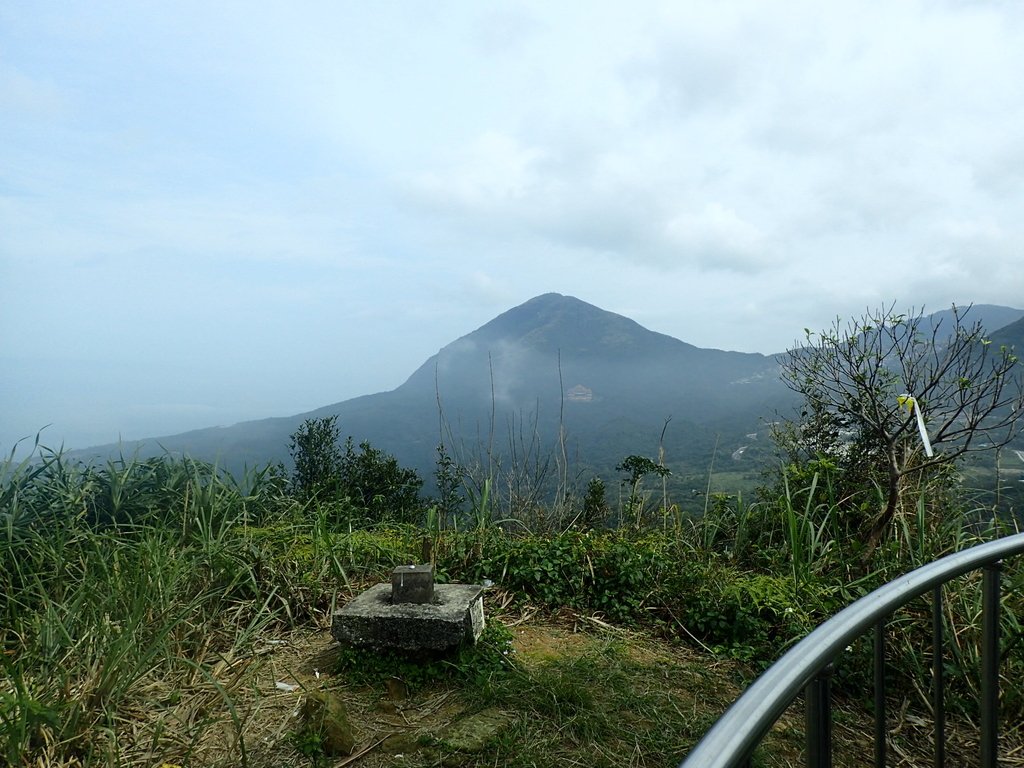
<point>412,584</point>
<point>412,613</point>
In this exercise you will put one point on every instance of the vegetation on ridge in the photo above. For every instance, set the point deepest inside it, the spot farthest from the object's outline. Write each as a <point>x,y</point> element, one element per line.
<point>128,587</point>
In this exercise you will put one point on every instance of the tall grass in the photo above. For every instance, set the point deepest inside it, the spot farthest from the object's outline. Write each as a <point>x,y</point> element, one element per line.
<point>112,577</point>
<point>120,576</point>
<point>804,529</point>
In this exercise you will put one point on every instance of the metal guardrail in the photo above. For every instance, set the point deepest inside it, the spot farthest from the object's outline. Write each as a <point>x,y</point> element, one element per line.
<point>808,667</point>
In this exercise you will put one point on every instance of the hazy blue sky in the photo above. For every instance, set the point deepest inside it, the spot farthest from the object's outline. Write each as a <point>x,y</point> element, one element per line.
<point>217,211</point>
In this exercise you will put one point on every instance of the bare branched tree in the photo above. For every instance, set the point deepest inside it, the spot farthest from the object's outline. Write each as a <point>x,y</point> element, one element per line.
<point>874,375</point>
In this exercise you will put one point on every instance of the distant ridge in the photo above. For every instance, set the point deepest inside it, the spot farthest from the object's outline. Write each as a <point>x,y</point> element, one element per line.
<point>552,365</point>
<point>1011,335</point>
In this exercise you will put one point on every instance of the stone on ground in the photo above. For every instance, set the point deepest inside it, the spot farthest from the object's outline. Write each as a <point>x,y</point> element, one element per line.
<point>325,715</point>
<point>474,733</point>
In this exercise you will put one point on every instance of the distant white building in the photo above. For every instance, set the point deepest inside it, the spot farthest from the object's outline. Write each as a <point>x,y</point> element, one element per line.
<point>580,394</point>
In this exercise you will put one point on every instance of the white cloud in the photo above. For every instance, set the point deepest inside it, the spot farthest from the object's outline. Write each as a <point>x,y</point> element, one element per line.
<point>495,172</point>
<point>839,128</point>
<point>719,237</point>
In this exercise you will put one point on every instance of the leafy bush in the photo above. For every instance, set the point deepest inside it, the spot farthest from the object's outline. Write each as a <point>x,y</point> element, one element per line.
<point>749,616</point>
<point>369,481</point>
<point>647,579</point>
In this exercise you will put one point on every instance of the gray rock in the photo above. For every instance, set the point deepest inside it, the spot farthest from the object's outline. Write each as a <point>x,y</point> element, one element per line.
<point>474,733</point>
<point>325,715</point>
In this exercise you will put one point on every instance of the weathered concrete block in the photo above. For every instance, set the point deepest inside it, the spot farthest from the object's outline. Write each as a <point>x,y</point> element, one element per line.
<point>412,584</point>
<point>372,620</point>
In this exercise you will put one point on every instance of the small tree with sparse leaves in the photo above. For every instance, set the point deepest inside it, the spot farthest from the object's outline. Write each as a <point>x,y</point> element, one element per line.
<point>638,467</point>
<point>595,505</point>
<point>857,380</point>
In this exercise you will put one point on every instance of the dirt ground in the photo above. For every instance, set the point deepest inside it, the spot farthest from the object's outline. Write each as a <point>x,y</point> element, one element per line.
<point>258,696</point>
<point>266,688</point>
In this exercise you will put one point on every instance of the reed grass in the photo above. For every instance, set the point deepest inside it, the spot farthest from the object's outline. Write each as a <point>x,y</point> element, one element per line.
<point>134,576</point>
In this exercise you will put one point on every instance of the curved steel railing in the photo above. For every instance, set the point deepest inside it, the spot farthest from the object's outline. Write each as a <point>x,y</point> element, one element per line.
<point>806,666</point>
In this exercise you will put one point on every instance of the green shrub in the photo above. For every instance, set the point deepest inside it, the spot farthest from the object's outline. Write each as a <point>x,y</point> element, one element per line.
<point>748,616</point>
<point>474,664</point>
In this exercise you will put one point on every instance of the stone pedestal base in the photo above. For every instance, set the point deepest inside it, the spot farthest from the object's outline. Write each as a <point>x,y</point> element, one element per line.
<point>372,620</point>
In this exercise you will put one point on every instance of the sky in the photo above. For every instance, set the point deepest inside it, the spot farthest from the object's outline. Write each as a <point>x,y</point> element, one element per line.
<point>219,211</point>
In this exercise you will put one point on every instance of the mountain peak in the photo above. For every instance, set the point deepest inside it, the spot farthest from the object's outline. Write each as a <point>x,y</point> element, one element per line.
<point>552,322</point>
<point>567,366</point>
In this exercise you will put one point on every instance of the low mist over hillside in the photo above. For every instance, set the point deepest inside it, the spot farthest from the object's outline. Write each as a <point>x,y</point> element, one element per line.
<point>508,387</point>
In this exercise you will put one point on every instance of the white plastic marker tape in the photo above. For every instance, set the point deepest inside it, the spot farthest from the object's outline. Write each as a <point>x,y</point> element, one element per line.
<point>910,403</point>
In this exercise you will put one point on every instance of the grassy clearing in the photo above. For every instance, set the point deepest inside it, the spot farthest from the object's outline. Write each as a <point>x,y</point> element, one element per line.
<point>597,697</point>
<point>570,693</point>
<point>148,611</point>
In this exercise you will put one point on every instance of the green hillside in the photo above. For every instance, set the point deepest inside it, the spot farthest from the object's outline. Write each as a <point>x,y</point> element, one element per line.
<point>554,366</point>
